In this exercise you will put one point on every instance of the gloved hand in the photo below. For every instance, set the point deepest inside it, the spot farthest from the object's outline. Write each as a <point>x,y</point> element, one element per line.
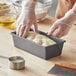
<point>27,18</point>
<point>62,26</point>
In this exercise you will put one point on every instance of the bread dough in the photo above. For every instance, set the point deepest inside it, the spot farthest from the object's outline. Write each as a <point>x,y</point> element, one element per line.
<point>47,42</point>
<point>31,35</point>
<point>38,39</point>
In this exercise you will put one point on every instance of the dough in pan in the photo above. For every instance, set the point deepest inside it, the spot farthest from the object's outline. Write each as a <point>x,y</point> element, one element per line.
<point>46,41</point>
<point>38,39</point>
<point>31,35</point>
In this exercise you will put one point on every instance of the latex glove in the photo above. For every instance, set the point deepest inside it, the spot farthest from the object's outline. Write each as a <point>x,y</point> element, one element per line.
<point>26,19</point>
<point>62,26</point>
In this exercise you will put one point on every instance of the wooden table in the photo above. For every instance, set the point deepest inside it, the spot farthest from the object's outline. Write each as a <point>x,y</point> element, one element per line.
<point>35,66</point>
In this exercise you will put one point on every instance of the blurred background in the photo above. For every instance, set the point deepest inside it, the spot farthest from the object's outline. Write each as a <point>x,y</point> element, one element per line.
<point>53,8</point>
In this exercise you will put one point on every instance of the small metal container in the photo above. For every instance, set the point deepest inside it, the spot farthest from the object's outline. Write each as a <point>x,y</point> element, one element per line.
<point>17,63</point>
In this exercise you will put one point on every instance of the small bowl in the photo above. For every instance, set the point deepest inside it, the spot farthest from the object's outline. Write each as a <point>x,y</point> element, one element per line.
<point>8,21</point>
<point>17,63</point>
<point>8,15</point>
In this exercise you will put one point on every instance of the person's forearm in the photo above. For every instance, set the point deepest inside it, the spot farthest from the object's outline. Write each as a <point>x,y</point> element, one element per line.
<point>29,3</point>
<point>27,6</point>
<point>64,6</point>
<point>70,16</point>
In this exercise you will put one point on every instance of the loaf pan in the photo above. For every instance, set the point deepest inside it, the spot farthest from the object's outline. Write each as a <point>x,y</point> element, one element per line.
<point>38,50</point>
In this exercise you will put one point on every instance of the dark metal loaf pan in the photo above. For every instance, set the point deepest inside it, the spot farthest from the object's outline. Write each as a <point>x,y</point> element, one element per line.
<point>38,50</point>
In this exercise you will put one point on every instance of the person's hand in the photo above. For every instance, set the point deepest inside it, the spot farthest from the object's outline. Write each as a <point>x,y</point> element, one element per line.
<point>59,29</point>
<point>26,19</point>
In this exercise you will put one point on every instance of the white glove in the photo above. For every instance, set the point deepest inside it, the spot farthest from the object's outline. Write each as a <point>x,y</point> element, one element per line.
<point>26,18</point>
<point>62,26</point>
